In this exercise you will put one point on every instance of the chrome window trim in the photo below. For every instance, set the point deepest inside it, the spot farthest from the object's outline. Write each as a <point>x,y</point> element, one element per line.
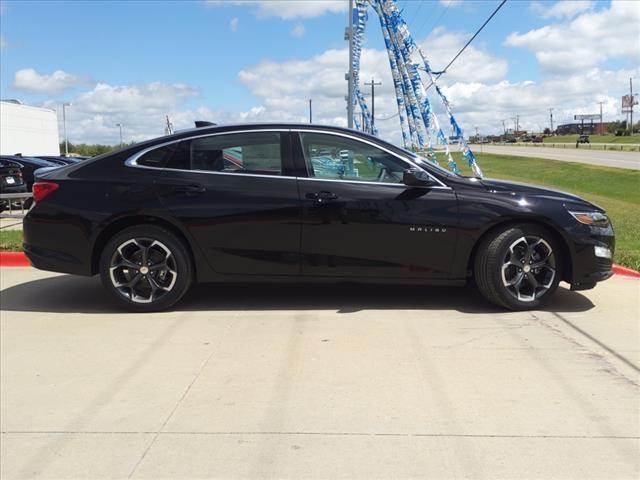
<point>132,160</point>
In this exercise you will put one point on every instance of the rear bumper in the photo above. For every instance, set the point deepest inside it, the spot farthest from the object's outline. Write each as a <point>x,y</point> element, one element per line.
<point>55,245</point>
<point>15,189</point>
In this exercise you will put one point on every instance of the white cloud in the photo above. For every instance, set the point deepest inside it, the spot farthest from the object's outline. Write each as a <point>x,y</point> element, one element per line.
<point>233,24</point>
<point>587,41</point>
<point>140,108</point>
<point>298,31</point>
<point>562,8</point>
<point>28,80</point>
<point>441,46</point>
<point>290,9</point>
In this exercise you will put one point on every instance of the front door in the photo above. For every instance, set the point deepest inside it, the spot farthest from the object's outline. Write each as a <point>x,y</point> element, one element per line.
<point>233,194</point>
<point>360,220</point>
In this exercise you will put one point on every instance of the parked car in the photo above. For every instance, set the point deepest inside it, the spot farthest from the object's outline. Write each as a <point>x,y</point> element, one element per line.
<point>537,139</point>
<point>11,181</point>
<point>157,216</point>
<point>28,165</point>
<point>58,159</point>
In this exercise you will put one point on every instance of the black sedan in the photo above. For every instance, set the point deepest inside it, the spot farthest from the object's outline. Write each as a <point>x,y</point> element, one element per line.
<point>283,203</point>
<point>28,166</point>
<point>10,181</point>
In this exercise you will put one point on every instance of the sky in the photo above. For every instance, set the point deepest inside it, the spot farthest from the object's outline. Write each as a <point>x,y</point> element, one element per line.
<point>135,62</point>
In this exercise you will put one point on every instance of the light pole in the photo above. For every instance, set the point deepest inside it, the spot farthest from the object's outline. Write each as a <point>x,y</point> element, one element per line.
<point>310,112</point>
<point>119,125</point>
<point>64,126</point>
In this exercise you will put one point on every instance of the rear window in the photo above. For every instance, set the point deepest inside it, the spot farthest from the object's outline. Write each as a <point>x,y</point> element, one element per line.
<point>257,153</point>
<point>175,155</point>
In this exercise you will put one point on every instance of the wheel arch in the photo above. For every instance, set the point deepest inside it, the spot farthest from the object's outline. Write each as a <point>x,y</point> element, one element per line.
<point>116,225</point>
<point>566,252</point>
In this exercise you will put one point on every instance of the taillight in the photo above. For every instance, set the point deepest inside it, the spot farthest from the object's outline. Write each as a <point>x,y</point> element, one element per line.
<point>42,190</point>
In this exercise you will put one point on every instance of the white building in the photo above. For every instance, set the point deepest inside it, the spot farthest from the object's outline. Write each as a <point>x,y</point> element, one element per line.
<point>28,130</point>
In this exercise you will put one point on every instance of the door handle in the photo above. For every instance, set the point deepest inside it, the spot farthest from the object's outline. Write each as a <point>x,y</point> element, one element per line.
<point>190,189</point>
<point>321,196</point>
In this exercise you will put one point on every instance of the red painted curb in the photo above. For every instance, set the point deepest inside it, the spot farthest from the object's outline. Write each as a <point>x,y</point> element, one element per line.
<point>624,271</point>
<point>14,259</point>
<point>19,259</point>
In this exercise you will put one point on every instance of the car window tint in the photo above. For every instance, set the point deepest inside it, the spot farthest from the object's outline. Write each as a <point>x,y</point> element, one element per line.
<point>255,153</point>
<point>175,156</point>
<point>340,158</point>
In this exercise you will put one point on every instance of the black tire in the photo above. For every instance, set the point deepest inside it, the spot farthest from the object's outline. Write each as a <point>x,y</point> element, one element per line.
<point>157,241</point>
<point>496,251</point>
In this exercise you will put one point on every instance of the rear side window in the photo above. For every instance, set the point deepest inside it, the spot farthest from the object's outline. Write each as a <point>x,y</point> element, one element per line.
<point>175,155</point>
<point>254,152</point>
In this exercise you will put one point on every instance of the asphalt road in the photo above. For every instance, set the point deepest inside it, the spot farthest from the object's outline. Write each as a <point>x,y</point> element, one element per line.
<point>317,382</point>
<point>606,158</point>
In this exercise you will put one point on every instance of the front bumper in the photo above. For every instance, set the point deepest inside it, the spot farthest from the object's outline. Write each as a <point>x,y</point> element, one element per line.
<point>593,257</point>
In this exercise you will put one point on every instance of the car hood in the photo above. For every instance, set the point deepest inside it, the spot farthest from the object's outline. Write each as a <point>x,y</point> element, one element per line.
<point>510,188</point>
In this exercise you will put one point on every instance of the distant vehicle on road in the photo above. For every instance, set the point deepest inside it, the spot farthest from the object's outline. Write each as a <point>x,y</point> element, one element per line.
<point>511,140</point>
<point>582,139</point>
<point>11,180</point>
<point>305,203</point>
<point>537,139</point>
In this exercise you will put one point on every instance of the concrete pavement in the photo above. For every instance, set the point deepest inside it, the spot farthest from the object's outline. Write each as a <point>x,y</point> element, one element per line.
<point>604,158</point>
<point>317,382</point>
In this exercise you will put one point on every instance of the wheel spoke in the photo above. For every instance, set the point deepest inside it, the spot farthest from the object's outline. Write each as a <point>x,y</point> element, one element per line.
<point>515,281</point>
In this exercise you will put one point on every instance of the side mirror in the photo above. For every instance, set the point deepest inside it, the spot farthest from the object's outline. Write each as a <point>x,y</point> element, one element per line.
<point>415,177</point>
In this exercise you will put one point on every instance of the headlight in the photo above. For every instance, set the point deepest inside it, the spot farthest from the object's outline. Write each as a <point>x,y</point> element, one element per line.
<point>595,219</point>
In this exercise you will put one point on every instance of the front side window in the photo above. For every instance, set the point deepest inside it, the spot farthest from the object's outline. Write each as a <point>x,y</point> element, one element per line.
<point>340,158</point>
<point>254,152</point>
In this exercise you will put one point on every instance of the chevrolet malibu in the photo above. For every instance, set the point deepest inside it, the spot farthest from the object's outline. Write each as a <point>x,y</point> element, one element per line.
<point>291,203</point>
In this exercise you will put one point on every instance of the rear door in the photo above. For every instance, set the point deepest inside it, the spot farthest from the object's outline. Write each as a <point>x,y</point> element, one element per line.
<point>234,193</point>
<point>360,220</point>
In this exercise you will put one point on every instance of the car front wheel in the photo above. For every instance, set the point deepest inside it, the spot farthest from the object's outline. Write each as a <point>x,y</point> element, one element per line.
<point>146,268</point>
<point>519,267</point>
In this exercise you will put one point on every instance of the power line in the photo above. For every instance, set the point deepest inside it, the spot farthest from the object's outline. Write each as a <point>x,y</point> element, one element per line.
<point>419,30</point>
<point>468,43</point>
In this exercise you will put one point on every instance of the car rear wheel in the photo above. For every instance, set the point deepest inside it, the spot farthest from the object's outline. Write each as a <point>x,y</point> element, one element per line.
<point>519,267</point>
<point>146,268</point>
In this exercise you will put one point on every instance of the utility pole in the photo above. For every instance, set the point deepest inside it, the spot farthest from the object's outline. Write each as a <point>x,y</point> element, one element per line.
<point>310,112</point>
<point>632,102</point>
<point>477,138</point>
<point>119,125</point>
<point>504,127</point>
<point>551,119</point>
<point>349,76</point>
<point>373,84</point>
<point>601,128</point>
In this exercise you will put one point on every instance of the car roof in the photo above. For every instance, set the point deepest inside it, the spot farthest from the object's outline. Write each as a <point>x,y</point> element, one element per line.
<point>33,160</point>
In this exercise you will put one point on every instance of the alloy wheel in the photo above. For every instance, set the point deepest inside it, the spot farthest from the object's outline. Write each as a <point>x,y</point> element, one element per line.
<point>143,270</point>
<point>529,268</point>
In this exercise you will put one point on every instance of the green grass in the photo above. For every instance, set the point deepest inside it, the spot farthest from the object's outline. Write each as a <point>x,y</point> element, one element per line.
<point>609,138</point>
<point>617,190</point>
<point>10,240</point>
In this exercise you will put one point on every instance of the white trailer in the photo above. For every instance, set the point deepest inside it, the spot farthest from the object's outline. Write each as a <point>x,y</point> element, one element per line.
<point>28,130</point>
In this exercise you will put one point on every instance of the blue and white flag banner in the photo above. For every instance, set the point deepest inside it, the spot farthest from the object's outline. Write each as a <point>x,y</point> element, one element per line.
<point>418,122</point>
